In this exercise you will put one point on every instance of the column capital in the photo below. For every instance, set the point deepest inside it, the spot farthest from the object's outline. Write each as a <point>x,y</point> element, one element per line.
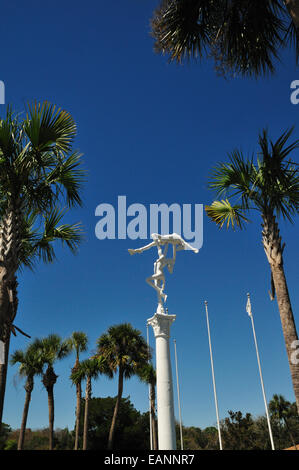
<point>161,323</point>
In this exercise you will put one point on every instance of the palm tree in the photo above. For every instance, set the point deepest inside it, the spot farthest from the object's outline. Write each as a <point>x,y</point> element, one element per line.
<point>88,370</point>
<point>39,174</point>
<point>79,343</point>
<point>147,374</point>
<point>272,188</point>
<point>124,350</point>
<point>51,349</point>
<point>243,36</point>
<point>29,367</point>
<point>280,409</point>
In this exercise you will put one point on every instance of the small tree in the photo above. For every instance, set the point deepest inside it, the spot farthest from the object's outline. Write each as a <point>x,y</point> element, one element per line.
<point>78,343</point>
<point>147,374</point>
<point>88,370</point>
<point>124,350</point>
<point>281,409</point>
<point>51,349</point>
<point>30,366</point>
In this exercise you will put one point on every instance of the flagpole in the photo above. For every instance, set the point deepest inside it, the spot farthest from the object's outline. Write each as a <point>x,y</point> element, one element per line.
<point>213,376</point>
<point>149,395</point>
<point>249,311</point>
<point>178,391</point>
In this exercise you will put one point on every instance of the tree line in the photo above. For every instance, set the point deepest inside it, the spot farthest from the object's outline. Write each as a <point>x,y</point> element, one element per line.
<point>121,351</point>
<point>240,431</point>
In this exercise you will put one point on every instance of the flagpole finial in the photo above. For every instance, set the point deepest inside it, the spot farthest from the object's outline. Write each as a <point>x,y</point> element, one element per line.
<point>206,302</point>
<point>248,295</point>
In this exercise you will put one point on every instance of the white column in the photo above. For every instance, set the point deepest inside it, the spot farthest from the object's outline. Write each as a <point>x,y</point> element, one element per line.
<point>161,323</point>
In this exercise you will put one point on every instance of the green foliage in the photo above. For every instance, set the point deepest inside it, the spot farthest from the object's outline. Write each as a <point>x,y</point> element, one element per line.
<point>223,212</point>
<point>5,430</point>
<point>63,439</point>
<point>132,428</point>
<point>92,368</point>
<point>39,440</point>
<point>39,174</point>
<point>11,444</point>
<point>285,420</point>
<point>239,432</point>
<point>123,347</point>
<point>51,349</point>
<point>244,37</point>
<point>271,186</point>
<point>78,342</point>
<point>28,360</point>
<point>147,374</point>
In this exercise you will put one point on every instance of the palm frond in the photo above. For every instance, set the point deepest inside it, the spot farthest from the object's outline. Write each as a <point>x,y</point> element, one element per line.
<point>69,234</point>
<point>79,341</point>
<point>278,178</point>
<point>222,212</point>
<point>47,126</point>
<point>68,177</point>
<point>243,36</point>
<point>180,28</point>
<point>235,178</point>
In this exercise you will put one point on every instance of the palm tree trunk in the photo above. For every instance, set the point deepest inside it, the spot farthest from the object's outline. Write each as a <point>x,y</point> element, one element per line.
<point>87,398</point>
<point>274,250</point>
<point>288,324</point>
<point>293,9</point>
<point>153,416</point>
<point>28,387</point>
<point>78,410</point>
<point>51,416</point>
<point>9,261</point>
<point>49,380</point>
<point>116,408</point>
<point>3,374</point>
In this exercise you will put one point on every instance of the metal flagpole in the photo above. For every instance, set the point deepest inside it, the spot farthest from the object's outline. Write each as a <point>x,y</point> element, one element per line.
<point>213,376</point>
<point>149,396</point>
<point>249,311</point>
<point>178,390</point>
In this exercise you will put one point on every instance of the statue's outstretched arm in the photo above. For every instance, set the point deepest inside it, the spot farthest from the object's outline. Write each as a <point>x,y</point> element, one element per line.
<point>186,246</point>
<point>143,248</point>
<point>180,244</point>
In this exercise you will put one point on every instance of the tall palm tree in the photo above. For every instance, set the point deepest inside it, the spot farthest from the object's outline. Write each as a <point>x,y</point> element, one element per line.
<point>243,36</point>
<point>39,175</point>
<point>88,370</point>
<point>51,349</point>
<point>280,409</point>
<point>271,186</point>
<point>78,343</point>
<point>124,350</point>
<point>147,374</point>
<point>30,366</point>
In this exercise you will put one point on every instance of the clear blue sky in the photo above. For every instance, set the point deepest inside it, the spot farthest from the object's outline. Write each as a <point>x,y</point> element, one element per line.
<point>150,131</point>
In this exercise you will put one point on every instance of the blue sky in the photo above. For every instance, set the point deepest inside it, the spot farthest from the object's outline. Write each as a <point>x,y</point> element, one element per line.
<point>151,131</point>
